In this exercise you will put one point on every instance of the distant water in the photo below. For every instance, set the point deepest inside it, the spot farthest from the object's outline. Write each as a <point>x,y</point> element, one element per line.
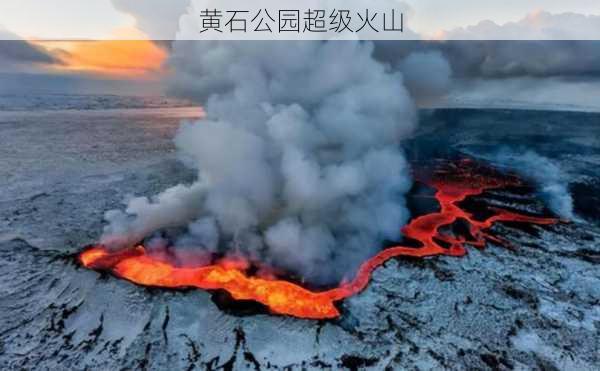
<point>59,102</point>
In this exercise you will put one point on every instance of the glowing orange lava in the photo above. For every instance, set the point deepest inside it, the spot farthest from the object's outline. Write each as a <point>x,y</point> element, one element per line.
<point>452,186</point>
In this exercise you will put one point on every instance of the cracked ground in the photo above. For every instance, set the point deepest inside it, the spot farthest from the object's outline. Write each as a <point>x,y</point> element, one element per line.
<point>535,306</point>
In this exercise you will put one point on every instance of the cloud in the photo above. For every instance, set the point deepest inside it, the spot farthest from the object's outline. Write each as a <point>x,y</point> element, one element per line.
<point>535,26</point>
<point>527,58</point>
<point>504,59</point>
<point>539,45</point>
<point>159,19</point>
<point>526,74</point>
<point>20,55</point>
<point>542,45</point>
<point>547,74</point>
<point>111,58</point>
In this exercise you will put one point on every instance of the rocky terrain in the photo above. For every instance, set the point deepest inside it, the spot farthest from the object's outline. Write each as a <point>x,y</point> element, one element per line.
<point>536,306</point>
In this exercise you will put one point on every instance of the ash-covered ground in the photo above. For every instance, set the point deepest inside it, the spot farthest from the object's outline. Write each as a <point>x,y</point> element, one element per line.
<point>536,306</point>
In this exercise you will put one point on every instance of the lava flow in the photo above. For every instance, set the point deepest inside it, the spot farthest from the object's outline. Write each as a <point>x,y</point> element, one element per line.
<point>453,184</point>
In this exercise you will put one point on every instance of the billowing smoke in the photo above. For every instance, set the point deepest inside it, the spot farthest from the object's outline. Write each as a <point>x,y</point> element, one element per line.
<point>298,158</point>
<point>546,174</point>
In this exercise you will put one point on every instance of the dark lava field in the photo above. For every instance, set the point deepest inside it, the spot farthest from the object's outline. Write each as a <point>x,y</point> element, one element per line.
<point>535,305</point>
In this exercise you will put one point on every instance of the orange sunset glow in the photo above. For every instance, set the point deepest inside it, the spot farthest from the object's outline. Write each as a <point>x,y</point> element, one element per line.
<point>135,58</point>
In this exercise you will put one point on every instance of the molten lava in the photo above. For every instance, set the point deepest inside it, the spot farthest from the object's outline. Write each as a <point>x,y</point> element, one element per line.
<point>453,185</point>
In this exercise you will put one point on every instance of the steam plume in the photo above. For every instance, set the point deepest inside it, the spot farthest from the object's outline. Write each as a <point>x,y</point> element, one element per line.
<point>298,157</point>
<point>551,182</point>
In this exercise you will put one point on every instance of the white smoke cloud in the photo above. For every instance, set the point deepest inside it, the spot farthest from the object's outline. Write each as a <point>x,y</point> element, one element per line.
<point>298,157</point>
<point>551,181</point>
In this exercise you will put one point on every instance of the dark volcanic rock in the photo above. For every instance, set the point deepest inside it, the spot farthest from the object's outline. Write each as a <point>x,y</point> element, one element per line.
<point>534,306</point>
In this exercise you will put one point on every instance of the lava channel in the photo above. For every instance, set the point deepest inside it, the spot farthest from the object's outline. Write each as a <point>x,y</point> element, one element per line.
<point>453,184</point>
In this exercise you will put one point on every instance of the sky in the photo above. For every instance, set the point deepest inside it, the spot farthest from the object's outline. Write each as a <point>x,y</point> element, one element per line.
<point>432,16</point>
<point>118,58</point>
<point>158,19</point>
<point>60,19</point>
<point>98,19</point>
<point>144,60</point>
